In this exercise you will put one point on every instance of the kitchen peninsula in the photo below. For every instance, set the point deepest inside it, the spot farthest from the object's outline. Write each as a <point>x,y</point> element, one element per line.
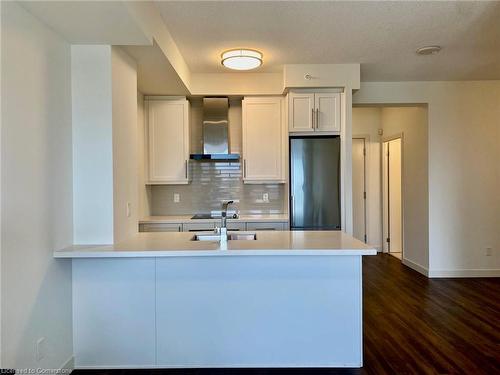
<point>283,299</point>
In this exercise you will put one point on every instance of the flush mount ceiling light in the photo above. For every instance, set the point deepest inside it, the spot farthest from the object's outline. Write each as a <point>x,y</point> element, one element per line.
<point>241,59</point>
<point>428,50</point>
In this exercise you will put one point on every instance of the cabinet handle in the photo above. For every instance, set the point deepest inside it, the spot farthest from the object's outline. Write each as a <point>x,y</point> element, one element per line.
<point>186,167</point>
<point>317,118</point>
<point>312,118</point>
<point>244,168</point>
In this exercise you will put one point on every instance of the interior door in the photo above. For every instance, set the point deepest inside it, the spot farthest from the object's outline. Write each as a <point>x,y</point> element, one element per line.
<point>392,196</point>
<point>327,107</point>
<point>395,211</point>
<point>359,188</point>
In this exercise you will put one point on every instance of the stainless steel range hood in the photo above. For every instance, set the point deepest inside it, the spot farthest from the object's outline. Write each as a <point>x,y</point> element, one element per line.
<point>215,131</point>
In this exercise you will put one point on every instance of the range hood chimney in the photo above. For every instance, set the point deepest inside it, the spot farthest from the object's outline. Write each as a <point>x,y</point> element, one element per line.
<point>215,130</point>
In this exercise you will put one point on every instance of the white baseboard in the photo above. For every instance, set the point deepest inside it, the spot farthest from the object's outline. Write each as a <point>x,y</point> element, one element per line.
<point>415,266</point>
<point>68,365</point>
<point>465,273</point>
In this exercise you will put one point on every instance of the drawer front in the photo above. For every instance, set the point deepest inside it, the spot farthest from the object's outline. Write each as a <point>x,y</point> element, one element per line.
<point>236,226</point>
<point>198,227</point>
<point>159,227</point>
<point>266,226</point>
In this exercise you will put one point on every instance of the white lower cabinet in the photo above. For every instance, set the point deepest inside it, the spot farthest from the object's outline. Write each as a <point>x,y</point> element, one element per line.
<point>236,225</point>
<point>198,227</point>
<point>210,225</point>
<point>266,226</point>
<point>160,227</point>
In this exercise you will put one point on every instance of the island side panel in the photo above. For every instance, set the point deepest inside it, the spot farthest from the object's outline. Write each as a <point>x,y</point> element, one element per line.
<point>114,312</point>
<point>262,311</point>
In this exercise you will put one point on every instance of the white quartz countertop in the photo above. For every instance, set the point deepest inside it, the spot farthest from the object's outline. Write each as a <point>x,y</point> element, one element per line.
<point>187,218</point>
<point>165,244</point>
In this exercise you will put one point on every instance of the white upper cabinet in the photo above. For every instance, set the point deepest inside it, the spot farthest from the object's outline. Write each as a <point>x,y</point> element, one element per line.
<point>314,112</point>
<point>264,140</point>
<point>301,112</point>
<point>168,134</point>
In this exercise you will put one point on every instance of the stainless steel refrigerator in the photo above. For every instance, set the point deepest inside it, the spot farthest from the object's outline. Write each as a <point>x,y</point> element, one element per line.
<point>314,183</point>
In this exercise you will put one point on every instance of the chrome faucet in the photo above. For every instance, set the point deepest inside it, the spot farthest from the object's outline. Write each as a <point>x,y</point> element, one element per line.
<point>223,221</point>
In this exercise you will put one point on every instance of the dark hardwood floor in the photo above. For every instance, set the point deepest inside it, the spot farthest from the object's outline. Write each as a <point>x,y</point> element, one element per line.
<point>412,325</point>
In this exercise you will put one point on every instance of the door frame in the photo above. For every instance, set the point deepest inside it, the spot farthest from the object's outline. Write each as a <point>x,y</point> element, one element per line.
<point>383,140</point>
<point>367,161</point>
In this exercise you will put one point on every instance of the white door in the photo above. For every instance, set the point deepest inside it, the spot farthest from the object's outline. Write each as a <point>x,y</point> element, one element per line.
<point>263,134</point>
<point>168,129</point>
<point>359,188</point>
<point>392,190</point>
<point>301,112</point>
<point>327,106</point>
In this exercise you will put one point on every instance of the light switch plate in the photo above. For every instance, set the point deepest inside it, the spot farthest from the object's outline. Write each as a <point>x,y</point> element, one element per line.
<point>265,197</point>
<point>177,197</point>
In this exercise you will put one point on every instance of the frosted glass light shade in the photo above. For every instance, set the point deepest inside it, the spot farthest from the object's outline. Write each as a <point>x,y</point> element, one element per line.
<point>241,59</point>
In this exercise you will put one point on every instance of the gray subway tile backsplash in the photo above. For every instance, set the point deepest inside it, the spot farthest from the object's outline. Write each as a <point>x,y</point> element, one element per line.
<point>212,182</point>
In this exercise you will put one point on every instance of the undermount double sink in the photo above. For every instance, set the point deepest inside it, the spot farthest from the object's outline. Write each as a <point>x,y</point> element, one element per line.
<point>231,236</point>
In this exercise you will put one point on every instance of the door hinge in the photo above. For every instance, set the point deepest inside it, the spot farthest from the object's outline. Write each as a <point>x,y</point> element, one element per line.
<point>364,194</point>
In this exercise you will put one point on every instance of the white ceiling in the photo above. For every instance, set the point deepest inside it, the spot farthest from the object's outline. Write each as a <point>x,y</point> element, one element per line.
<point>382,36</point>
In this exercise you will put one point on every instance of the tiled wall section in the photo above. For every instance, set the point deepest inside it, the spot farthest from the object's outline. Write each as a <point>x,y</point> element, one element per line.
<point>213,182</point>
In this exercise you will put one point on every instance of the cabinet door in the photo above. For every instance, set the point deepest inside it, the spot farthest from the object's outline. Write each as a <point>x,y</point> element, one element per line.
<point>265,226</point>
<point>327,107</point>
<point>300,112</point>
<point>198,227</point>
<point>236,225</point>
<point>160,227</point>
<point>263,139</point>
<point>168,129</point>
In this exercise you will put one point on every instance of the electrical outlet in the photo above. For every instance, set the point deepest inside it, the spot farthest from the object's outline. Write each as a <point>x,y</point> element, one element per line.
<point>40,348</point>
<point>265,197</point>
<point>177,197</point>
<point>128,209</point>
<point>488,251</point>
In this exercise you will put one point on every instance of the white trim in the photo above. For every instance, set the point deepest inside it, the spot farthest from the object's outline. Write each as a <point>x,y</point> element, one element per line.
<point>367,188</point>
<point>415,266</point>
<point>68,365</point>
<point>225,365</point>
<point>465,273</point>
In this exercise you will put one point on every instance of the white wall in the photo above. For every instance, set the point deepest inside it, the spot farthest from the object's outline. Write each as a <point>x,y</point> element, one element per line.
<point>36,192</point>
<point>464,172</point>
<point>366,121</point>
<point>125,145</point>
<point>412,123</point>
<point>92,144</point>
